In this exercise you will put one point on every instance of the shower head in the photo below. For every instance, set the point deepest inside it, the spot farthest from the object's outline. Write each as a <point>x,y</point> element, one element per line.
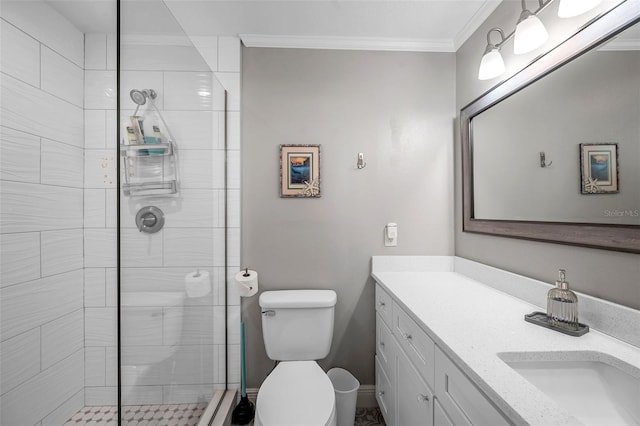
<point>140,96</point>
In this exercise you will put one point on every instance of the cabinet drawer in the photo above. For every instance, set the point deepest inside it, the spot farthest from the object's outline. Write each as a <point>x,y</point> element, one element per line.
<point>385,395</point>
<point>464,403</point>
<point>385,348</point>
<point>415,398</point>
<point>383,304</point>
<point>415,342</point>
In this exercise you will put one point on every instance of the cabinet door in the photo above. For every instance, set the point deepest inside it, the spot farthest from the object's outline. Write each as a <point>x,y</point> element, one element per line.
<point>439,416</point>
<point>385,395</point>
<point>385,349</point>
<point>415,399</point>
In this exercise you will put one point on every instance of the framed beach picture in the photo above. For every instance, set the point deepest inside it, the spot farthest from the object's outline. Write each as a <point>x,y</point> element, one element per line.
<point>300,171</point>
<point>599,168</point>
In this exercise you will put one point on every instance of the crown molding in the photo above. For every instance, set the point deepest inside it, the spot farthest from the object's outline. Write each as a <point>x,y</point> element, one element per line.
<point>474,23</point>
<point>346,43</point>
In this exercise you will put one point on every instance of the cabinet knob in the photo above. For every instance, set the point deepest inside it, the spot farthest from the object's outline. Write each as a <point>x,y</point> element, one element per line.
<point>407,336</point>
<point>423,398</point>
<point>382,344</point>
<point>380,393</point>
<point>381,304</point>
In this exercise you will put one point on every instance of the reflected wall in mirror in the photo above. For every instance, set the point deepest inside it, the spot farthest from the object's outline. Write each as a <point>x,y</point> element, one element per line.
<point>573,95</point>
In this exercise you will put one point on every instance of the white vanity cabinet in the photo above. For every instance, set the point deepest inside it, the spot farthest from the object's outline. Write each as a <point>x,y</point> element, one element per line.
<point>416,383</point>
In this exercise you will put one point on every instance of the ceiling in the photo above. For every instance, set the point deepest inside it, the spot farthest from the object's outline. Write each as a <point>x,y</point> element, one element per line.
<point>437,25</point>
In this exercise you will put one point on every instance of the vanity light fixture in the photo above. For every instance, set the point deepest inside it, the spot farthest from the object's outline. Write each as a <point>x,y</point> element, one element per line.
<point>530,31</point>
<point>492,64</point>
<point>571,8</point>
<point>529,34</point>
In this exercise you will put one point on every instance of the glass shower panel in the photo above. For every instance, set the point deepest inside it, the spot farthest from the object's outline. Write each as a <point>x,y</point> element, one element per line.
<point>172,220</point>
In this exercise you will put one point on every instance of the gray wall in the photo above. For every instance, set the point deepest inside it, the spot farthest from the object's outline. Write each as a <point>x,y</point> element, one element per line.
<point>610,275</point>
<point>397,108</point>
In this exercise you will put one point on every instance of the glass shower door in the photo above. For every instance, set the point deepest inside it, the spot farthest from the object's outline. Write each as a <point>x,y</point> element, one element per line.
<point>172,310</point>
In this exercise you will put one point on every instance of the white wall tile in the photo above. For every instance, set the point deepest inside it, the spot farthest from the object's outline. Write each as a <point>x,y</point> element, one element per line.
<point>34,111</point>
<point>62,337</point>
<point>207,47</point>
<point>45,24</point>
<point>62,251</point>
<point>100,89</point>
<point>233,130</point>
<point>233,325</point>
<point>233,169</point>
<point>28,305</point>
<point>20,54</point>
<point>229,54</point>
<point>192,129</point>
<point>19,156</point>
<point>233,297</point>
<point>233,369</point>
<point>111,366</point>
<point>140,80</point>
<point>141,326</point>
<point>94,208</point>
<point>61,77</point>
<point>196,325</point>
<point>139,249</point>
<point>111,51</point>
<point>19,359</point>
<point>218,247</point>
<point>219,360</point>
<point>190,91</point>
<point>51,388</point>
<point>100,168</point>
<point>95,51</point>
<point>230,81</point>
<point>233,208</point>
<point>160,57</point>
<point>218,169</point>
<point>111,287</point>
<point>95,130</point>
<point>62,164</point>
<point>197,169</point>
<point>187,247</point>
<point>94,287</point>
<point>233,246</point>
<point>19,258</point>
<point>99,248</point>
<point>64,412</point>
<point>94,396</point>
<point>185,394</point>
<point>111,209</point>
<point>141,395</point>
<point>100,327</point>
<point>29,207</point>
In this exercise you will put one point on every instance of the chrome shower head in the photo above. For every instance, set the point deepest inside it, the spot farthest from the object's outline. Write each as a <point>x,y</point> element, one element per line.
<point>140,96</point>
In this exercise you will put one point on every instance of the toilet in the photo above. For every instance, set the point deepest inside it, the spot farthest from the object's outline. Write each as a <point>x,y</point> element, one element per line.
<point>297,327</point>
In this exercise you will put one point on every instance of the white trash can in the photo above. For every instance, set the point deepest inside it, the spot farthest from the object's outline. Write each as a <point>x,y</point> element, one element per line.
<point>346,388</point>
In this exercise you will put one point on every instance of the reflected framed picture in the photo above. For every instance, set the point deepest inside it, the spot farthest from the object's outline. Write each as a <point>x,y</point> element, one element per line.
<point>300,171</point>
<point>599,168</point>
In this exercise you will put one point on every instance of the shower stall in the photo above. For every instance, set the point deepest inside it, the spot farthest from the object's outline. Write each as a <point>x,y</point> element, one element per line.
<point>119,215</point>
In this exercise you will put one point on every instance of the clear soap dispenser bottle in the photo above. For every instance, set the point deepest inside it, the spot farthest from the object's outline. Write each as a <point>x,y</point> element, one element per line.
<point>562,305</point>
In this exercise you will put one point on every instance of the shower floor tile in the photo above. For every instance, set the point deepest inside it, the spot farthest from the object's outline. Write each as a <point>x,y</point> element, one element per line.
<point>140,415</point>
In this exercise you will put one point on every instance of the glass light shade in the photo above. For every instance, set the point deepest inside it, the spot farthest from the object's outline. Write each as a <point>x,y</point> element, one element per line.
<point>491,65</point>
<point>570,8</point>
<point>530,33</point>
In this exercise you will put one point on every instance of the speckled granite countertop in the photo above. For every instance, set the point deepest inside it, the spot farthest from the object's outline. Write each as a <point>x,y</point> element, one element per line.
<point>476,325</point>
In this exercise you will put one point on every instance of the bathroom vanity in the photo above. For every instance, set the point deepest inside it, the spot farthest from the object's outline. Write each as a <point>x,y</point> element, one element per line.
<point>452,348</point>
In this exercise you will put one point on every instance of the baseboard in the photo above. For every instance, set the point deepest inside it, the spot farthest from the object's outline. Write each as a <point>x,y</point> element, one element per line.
<point>366,396</point>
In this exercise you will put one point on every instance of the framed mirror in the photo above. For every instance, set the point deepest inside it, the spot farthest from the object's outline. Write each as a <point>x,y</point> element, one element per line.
<point>553,153</point>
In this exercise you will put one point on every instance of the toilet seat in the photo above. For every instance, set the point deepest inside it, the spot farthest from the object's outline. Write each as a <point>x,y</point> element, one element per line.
<point>296,393</point>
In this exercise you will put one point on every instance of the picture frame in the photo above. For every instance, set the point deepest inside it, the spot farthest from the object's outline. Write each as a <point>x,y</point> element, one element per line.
<point>300,171</point>
<point>599,168</point>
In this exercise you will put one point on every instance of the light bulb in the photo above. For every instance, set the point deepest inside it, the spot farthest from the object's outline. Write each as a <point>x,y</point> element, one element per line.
<point>571,8</point>
<point>530,33</point>
<point>491,65</point>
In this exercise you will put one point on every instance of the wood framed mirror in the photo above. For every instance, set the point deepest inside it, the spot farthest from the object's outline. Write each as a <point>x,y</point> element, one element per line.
<point>559,208</point>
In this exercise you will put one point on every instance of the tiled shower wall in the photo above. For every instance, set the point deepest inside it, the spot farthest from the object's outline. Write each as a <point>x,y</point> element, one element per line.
<point>192,102</point>
<point>58,240</point>
<point>41,295</point>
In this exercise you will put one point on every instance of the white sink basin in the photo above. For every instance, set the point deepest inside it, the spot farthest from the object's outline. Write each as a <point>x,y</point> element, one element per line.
<point>594,392</point>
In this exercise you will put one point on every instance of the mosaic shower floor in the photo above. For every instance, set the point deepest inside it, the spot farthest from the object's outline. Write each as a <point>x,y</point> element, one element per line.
<point>176,415</point>
<point>139,415</point>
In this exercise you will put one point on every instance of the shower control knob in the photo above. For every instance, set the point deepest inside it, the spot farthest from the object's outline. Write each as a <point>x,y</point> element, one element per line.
<point>150,219</point>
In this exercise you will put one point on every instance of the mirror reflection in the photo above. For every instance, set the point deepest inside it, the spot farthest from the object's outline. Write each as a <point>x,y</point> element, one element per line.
<point>548,152</point>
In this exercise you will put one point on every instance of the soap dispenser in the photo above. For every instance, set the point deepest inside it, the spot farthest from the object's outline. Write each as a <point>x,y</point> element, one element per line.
<point>562,305</point>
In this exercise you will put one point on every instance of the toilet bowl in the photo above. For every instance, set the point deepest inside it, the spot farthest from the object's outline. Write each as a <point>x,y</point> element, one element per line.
<point>296,393</point>
<point>297,327</point>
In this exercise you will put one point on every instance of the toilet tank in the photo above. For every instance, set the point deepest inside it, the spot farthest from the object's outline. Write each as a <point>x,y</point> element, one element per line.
<point>297,325</point>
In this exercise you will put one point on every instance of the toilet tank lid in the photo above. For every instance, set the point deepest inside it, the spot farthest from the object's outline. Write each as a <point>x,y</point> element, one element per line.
<point>291,299</point>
